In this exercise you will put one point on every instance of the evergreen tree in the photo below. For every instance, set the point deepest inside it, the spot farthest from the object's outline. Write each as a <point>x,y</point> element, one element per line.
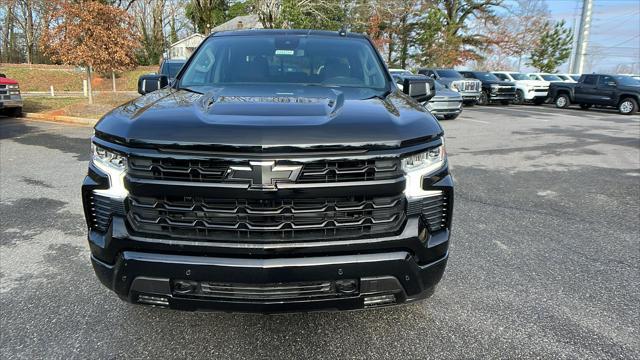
<point>553,49</point>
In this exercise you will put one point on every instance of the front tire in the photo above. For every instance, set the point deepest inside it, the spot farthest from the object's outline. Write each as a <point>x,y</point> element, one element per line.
<point>628,106</point>
<point>562,101</point>
<point>12,112</point>
<point>539,101</point>
<point>519,98</point>
<point>484,98</point>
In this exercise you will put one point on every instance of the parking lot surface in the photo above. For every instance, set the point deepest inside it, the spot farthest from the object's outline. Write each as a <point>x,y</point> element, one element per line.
<point>544,260</point>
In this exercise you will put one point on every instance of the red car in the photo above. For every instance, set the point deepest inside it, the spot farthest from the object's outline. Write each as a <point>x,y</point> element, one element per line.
<point>10,99</point>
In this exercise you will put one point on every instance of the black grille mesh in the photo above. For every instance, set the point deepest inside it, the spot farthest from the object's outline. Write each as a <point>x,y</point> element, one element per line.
<point>234,220</point>
<point>215,171</point>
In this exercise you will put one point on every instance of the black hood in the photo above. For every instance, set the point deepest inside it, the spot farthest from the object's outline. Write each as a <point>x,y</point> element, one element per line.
<point>499,82</point>
<point>298,117</point>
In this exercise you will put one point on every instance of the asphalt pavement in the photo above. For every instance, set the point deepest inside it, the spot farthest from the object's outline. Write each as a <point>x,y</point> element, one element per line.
<point>544,260</point>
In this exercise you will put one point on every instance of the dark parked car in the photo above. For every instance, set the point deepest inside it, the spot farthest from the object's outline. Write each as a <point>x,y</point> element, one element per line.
<point>619,91</point>
<point>170,67</point>
<point>470,90</point>
<point>282,170</point>
<point>493,89</point>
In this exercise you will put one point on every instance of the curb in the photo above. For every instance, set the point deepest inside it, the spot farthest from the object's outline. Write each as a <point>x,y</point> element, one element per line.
<point>60,118</point>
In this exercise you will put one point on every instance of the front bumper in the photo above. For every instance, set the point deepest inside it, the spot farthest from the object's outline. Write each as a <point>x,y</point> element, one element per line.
<point>13,103</point>
<point>391,269</point>
<point>445,107</point>
<point>501,96</point>
<point>394,277</point>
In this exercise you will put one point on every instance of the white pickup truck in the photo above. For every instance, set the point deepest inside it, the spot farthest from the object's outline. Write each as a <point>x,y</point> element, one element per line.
<point>527,90</point>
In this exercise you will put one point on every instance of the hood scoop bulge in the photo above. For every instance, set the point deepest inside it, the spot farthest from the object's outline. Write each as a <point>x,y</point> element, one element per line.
<point>279,104</point>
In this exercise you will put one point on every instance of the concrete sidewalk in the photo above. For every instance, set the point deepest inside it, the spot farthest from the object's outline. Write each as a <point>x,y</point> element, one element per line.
<point>60,118</point>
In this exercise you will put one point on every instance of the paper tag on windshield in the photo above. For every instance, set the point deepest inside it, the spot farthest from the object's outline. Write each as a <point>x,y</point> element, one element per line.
<point>284,52</point>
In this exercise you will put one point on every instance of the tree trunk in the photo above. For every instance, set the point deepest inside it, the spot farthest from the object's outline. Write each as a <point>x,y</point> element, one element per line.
<point>30,35</point>
<point>89,88</point>
<point>113,80</point>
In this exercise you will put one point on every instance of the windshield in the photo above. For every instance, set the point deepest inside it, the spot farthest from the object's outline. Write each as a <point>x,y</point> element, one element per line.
<point>551,78</point>
<point>627,80</point>
<point>485,76</point>
<point>449,74</point>
<point>345,63</point>
<point>575,77</point>
<point>518,76</point>
<point>171,69</point>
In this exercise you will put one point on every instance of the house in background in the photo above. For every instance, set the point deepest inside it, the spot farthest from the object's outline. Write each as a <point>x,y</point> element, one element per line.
<point>240,22</point>
<point>182,49</point>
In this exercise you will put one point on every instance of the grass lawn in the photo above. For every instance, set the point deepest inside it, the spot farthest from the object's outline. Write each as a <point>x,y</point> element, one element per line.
<point>65,78</point>
<point>76,106</point>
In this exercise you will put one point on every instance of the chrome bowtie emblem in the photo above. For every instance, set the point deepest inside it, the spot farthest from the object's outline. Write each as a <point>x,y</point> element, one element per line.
<point>263,175</point>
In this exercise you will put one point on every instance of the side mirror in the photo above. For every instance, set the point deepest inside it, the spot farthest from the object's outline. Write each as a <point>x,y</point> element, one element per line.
<point>419,87</point>
<point>151,83</point>
<point>433,76</point>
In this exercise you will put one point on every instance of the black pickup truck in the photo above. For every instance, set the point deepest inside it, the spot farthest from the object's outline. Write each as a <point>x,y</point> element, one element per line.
<point>282,170</point>
<point>493,89</point>
<point>619,91</point>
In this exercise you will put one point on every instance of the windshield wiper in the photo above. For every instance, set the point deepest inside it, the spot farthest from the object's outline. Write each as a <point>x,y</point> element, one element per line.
<point>382,96</point>
<point>190,90</point>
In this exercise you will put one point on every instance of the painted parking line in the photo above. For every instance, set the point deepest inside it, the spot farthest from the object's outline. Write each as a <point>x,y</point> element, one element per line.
<point>478,121</point>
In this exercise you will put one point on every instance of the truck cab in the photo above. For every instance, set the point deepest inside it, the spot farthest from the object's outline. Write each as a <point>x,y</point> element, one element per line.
<point>469,89</point>
<point>282,171</point>
<point>10,97</point>
<point>619,91</point>
<point>527,90</point>
<point>493,89</point>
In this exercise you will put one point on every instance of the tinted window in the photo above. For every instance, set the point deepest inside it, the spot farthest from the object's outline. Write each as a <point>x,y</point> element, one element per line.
<point>590,79</point>
<point>518,76</point>
<point>533,77</point>
<point>485,76</point>
<point>551,78</point>
<point>502,77</point>
<point>627,80</point>
<point>606,80</point>
<point>449,74</point>
<point>285,59</point>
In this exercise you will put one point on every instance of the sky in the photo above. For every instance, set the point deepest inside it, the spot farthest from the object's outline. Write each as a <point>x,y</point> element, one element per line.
<point>615,32</point>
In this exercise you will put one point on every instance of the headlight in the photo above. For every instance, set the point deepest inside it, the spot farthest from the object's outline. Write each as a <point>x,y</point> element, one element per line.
<point>453,87</point>
<point>14,92</point>
<point>114,165</point>
<point>13,86</point>
<point>419,165</point>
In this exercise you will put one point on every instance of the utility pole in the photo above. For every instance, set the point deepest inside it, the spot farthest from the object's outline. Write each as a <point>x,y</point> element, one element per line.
<point>583,37</point>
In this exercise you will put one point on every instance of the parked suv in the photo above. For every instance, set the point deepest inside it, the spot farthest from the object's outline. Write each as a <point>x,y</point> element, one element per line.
<point>619,91</point>
<point>493,89</point>
<point>282,171</point>
<point>453,80</point>
<point>10,98</point>
<point>526,89</point>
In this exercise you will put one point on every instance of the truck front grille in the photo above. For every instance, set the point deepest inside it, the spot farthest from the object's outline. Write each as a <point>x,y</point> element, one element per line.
<point>257,220</point>
<point>216,171</point>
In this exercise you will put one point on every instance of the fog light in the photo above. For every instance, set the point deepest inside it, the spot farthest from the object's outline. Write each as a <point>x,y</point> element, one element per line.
<point>153,300</point>
<point>379,300</point>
